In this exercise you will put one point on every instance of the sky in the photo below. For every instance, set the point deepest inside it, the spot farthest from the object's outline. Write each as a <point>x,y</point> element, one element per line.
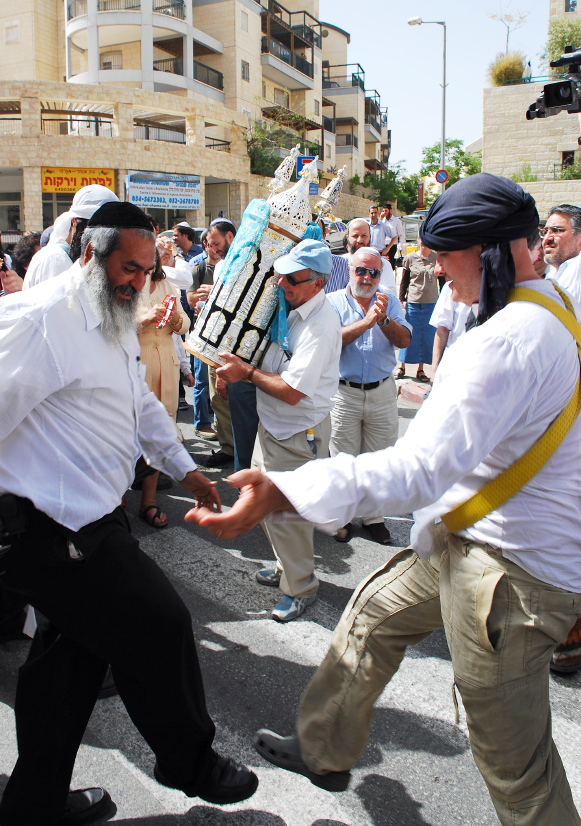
<point>404,63</point>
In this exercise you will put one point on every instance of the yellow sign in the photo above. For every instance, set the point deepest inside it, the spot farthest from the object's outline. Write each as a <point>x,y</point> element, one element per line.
<point>60,179</point>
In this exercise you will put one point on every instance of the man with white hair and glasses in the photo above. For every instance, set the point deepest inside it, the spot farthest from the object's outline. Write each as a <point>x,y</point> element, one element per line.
<point>365,417</point>
<point>562,247</point>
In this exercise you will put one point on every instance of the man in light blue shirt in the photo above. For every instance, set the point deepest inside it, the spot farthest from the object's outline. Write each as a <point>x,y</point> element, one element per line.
<point>381,233</point>
<point>364,416</point>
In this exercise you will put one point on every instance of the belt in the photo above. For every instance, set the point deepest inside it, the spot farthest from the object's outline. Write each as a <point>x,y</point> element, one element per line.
<point>370,386</point>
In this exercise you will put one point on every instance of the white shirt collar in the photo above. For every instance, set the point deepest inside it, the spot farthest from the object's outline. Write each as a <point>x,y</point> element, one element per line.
<point>307,308</point>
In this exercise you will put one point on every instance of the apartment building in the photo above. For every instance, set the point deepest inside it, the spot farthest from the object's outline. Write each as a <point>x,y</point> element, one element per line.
<point>154,98</point>
<point>541,149</point>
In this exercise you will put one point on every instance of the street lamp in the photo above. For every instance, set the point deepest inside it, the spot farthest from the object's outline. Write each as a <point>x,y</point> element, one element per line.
<point>417,21</point>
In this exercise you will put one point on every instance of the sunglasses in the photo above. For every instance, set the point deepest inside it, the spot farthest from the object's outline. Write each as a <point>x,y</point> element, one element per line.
<point>293,281</point>
<point>364,270</point>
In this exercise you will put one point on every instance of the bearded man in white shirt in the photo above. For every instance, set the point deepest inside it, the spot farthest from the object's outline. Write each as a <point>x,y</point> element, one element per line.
<point>294,397</point>
<point>75,415</point>
<point>506,588</point>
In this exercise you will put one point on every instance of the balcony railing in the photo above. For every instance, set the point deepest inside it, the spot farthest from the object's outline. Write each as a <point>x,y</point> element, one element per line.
<point>174,9</point>
<point>218,145</point>
<point>143,131</point>
<point>205,74</point>
<point>76,8</point>
<point>328,124</point>
<point>308,34</point>
<point>173,65</point>
<point>10,126</point>
<point>80,127</point>
<point>344,81</point>
<point>301,22</point>
<point>373,121</point>
<point>118,5</point>
<point>347,140</point>
<point>284,53</point>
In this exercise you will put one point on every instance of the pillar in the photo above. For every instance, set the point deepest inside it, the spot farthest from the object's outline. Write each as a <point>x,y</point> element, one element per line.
<point>93,42</point>
<point>30,114</point>
<point>147,72</point>
<point>123,121</point>
<point>32,195</point>
<point>196,131</point>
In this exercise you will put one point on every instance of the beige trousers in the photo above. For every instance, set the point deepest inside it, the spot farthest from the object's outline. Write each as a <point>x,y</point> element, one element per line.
<point>502,625</point>
<point>364,421</point>
<point>221,408</point>
<point>292,542</point>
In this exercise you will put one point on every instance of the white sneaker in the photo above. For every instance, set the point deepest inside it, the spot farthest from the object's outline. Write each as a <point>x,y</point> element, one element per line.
<point>289,608</point>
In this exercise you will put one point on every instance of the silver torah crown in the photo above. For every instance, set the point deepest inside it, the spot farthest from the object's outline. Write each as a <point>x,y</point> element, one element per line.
<point>330,195</point>
<point>290,210</point>
<point>283,172</point>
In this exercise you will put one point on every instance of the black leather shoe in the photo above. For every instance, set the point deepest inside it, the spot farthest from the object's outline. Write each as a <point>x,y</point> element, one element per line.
<point>86,806</point>
<point>218,459</point>
<point>379,533</point>
<point>224,782</point>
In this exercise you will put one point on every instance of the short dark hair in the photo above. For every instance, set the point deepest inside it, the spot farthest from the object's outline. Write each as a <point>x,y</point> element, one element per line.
<point>153,221</point>
<point>190,232</point>
<point>387,206</point>
<point>23,252</point>
<point>533,239</point>
<point>223,227</point>
<point>75,248</point>
<point>572,212</point>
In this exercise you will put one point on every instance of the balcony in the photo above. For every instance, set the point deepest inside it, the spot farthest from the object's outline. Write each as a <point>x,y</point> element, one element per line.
<point>146,132</point>
<point>173,9</point>
<point>88,127</point>
<point>301,23</point>
<point>284,53</point>
<point>370,120</point>
<point>118,5</point>
<point>339,77</point>
<point>211,77</point>
<point>76,8</point>
<point>328,124</point>
<point>347,140</point>
<point>10,126</point>
<point>173,65</point>
<point>218,145</point>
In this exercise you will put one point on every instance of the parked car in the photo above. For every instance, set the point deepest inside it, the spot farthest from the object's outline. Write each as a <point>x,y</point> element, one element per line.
<point>336,232</point>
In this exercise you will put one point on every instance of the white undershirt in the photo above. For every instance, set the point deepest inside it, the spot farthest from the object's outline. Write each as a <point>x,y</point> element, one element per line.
<point>48,262</point>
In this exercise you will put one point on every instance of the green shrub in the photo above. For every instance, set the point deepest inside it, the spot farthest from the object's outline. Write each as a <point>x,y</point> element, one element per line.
<point>571,173</point>
<point>354,182</point>
<point>525,174</point>
<point>507,68</point>
<point>563,31</point>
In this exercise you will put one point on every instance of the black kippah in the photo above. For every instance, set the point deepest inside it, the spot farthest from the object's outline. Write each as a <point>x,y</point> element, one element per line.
<point>120,215</point>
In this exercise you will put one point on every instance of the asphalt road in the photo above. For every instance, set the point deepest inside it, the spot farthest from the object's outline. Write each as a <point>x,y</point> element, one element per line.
<point>417,767</point>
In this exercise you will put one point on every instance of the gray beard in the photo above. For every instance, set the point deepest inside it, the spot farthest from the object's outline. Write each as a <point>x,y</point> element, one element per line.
<point>117,320</point>
<point>359,291</point>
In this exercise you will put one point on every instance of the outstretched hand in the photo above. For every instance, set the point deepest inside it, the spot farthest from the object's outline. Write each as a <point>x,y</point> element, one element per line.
<point>258,497</point>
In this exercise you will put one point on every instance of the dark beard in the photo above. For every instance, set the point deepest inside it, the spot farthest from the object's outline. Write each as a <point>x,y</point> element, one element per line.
<point>117,320</point>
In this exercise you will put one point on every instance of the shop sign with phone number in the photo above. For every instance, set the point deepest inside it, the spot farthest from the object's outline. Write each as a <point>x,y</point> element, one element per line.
<point>164,194</point>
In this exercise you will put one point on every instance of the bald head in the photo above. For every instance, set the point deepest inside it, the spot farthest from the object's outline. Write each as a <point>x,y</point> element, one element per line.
<point>358,235</point>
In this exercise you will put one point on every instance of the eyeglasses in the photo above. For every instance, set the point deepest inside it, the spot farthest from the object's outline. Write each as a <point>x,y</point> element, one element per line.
<point>292,280</point>
<point>364,270</point>
<point>553,231</point>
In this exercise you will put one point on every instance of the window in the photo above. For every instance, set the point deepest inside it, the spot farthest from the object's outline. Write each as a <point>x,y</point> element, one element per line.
<point>281,98</point>
<point>243,21</point>
<point>11,33</point>
<point>111,60</point>
<point>245,70</point>
<point>568,158</point>
<point>570,5</point>
<point>327,150</point>
<point>264,90</point>
<point>317,107</point>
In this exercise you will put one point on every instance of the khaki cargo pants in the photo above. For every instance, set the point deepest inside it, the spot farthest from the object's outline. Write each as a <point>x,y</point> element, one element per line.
<point>502,626</point>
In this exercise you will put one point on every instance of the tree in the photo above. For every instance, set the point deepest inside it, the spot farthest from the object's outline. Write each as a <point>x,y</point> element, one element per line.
<point>562,32</point>
<point>459,163</point>
<point>511,21</point>
<point>396,185</point>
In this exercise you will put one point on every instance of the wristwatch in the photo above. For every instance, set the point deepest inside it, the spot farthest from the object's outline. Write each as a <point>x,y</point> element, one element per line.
<point>386,321</point>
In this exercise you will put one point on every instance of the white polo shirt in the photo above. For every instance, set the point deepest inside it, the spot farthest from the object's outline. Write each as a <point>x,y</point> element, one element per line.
<point>313,369</point>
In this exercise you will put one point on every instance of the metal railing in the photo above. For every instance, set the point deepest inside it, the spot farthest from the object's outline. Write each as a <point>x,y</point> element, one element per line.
<point>537,79</point>
<point>284,53</point>
<point>175,8</point>
<point>173,65</point>
<point>566,172</point>
<point>328,124</point>
<point>80,127</point>
<point>303,65</point>
<point>218,145</point>
<point>205,74</point>
<point>343,82</point>
<point>75,8</point>
<point>143,131</point>
<point>347,140</point>
<point>372,121</point>
<point>308,34</point>
<point>10,126</point>
<point>118,5</point>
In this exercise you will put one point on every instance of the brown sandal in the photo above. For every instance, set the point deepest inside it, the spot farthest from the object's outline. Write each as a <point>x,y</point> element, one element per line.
<point>151,519</point>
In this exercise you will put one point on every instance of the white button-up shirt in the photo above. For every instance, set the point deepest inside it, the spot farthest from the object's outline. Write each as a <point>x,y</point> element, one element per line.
<point>494,395</point>
<point>397,227</point>
<point>450,314</point>
<point>47,263</point>
<point>75,411</point>
<point>313,369</point>
<point>568,276</point>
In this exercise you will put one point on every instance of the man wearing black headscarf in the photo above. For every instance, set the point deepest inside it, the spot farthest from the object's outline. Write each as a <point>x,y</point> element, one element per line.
<point>75,415</point>
<point>506,588</point>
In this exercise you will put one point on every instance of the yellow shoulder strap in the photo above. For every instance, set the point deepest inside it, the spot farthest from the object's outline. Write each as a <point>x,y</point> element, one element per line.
<point>499,490</point>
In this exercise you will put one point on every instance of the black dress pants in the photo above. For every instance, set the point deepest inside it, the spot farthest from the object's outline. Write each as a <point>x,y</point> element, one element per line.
<point>114,605</point>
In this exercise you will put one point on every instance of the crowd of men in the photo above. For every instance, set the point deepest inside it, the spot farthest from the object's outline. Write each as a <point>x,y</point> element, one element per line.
<point>78,416</point>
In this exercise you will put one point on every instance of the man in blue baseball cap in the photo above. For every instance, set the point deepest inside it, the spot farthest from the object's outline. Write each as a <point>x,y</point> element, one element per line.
<point>294,395</point>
